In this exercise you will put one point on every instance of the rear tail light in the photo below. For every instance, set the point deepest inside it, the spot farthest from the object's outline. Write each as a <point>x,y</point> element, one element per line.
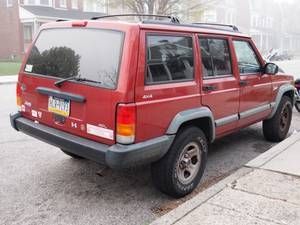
<point>19,95</point>
<point>126,121</point>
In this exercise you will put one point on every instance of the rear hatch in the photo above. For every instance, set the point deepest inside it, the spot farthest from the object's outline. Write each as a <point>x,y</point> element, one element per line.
<point>85,104</point>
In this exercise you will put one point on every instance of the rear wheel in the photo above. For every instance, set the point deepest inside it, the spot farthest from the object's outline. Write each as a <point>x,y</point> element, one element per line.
<point>276,128</point>
<point>72,155</point>
<point>179,172</point>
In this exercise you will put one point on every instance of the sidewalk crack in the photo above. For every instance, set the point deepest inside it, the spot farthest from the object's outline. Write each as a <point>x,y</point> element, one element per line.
<point>265,196</point>
<point>248,214</point>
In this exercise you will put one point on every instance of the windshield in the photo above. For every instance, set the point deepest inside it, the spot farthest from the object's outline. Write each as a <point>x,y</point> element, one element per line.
<point>92,54</point>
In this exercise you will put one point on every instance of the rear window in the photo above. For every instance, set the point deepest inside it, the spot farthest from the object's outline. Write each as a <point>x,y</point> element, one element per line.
<point>87,53</point>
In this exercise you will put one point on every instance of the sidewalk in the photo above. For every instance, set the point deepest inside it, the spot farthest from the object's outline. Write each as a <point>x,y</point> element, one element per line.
<point>8,79</point>
<point>265,191</point>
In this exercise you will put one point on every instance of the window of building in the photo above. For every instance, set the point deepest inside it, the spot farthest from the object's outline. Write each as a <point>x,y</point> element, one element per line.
<point>169,59</point>
<point>27,29</point>
<point>247,58</point>
<point>45,2</point>
<point>75,4</point>
<point>216,60</point>
<point>63,3</point>
<point>9,3</point>
<point>95,6</point>
<point>38,2</point>
<point>210,16</point>
<point>30,2</point>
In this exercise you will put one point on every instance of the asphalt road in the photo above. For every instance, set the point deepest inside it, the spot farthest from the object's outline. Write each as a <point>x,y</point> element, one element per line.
<point>41,185</point>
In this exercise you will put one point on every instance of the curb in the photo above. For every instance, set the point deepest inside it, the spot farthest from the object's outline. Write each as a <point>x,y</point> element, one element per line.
<point>8,79</point>
<point>264,158</point>
<point>176,214</point>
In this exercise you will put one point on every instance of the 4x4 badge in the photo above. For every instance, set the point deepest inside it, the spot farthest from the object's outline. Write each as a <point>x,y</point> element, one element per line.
<point>147,96</point>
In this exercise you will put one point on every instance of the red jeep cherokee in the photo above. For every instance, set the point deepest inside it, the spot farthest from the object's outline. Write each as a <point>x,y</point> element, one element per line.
<point>130,93</point>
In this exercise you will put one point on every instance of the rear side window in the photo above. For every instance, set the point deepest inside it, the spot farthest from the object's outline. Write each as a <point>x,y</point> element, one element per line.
<point>215,55</point>
<point>169,59</point>
<point>93,54</point>
<point>247,59</point>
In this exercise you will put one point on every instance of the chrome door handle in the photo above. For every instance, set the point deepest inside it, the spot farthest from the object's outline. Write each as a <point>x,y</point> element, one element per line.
<point>244,83</point>
<point>209,88</point>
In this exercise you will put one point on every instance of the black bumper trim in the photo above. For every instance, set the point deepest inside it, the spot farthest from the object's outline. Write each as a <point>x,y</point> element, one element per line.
<point>115,156</point>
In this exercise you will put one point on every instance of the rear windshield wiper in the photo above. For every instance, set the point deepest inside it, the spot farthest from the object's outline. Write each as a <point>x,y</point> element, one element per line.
<point>76,78</point>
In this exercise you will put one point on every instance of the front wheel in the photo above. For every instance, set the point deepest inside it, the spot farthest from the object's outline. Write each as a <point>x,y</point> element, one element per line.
<point>276,128</point>
<point>179,172</point>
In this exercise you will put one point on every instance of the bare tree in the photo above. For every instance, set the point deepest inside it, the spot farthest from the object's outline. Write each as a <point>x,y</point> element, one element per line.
<point>176,7</point>
<point>188,9</point>
<point>147,6</point>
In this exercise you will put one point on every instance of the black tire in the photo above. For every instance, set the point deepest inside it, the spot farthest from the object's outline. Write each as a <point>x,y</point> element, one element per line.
<point>297,106</point>
<point>168,173</point>
<point>277,128</point>
<point>72,155</point>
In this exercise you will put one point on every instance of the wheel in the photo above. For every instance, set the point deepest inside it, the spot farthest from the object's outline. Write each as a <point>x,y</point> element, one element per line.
<point>297,106</point>
<point>179,172</point>
<point>72,155</point>
<point>276,128</point>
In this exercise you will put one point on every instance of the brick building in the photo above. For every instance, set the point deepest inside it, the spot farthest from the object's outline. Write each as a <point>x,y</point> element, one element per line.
<point>10,29</point>
<point>21,19</point>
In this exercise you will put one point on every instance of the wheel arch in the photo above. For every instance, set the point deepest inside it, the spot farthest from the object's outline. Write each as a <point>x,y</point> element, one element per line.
<point>284,90</point>
<point>200,117</point>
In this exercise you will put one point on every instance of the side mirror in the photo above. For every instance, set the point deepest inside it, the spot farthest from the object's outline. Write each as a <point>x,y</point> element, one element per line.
<point>271,68</point>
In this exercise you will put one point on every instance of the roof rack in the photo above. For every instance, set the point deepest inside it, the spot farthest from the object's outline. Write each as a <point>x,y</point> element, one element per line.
<point>173,19</point>
<point>216,25</point>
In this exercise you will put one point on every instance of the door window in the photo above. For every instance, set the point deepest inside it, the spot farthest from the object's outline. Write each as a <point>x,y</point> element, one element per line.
<point>216,60</point>
<point>246,57</point>
<point>169,59</point>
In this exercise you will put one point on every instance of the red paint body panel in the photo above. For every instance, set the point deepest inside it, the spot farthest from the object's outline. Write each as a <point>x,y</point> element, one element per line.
<point>100,106</point>
<point>156,105</point>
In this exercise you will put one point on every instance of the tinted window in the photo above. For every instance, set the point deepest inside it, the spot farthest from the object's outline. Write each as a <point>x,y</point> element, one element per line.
<point>215,57</point>
<point>169,58</point>
<point>88,53</point>
<point>247,59</point>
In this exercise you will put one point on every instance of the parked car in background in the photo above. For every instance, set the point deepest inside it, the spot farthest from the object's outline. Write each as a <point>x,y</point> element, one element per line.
<point>151,92</point>
<point>278,55</point>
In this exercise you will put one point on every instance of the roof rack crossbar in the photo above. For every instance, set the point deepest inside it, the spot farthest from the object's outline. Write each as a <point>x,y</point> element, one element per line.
<point>173,19</point>
<point>233,27</point>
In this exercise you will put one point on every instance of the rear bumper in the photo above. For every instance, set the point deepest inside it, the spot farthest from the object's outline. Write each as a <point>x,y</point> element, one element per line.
<point>115,156</point>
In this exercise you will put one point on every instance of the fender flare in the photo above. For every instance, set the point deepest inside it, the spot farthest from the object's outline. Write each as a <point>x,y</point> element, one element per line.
<point>192,114</point>
<point>282,90</point>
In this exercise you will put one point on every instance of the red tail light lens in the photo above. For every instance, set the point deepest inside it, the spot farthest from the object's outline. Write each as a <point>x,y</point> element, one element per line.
<point>19,95</point>
<point>126,120</point>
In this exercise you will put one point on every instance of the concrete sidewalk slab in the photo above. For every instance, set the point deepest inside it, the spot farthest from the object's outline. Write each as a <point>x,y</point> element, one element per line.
<point>271,184</point>
<point>8,79</point>
<point>257,206</point>
<point>214,215</point>
<point>273,152</point>
<point>286,162</point>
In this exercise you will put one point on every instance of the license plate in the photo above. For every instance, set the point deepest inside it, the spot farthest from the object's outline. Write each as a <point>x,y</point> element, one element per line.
<point>59,106</point>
